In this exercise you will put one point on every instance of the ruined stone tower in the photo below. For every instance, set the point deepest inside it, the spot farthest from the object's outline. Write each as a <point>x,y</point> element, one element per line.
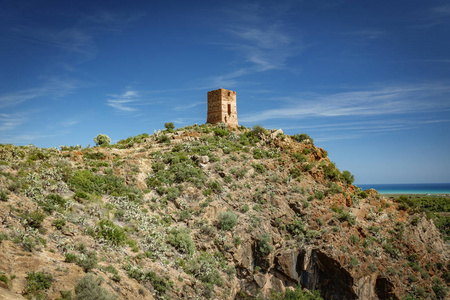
<point>222,107</point>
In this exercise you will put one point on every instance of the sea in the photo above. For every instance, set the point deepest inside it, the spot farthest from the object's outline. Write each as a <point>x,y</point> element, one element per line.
<point>410,188</point>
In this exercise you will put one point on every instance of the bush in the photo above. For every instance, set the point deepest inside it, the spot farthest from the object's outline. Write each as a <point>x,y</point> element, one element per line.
<point>302,137</point>
<point>163,139</point>
<point>102,140</point>
<point>84,181</point>
<point>4,278</point>
<point>263,244</point>
<point>439,288</point>
<point>71,258</point>
<point>181,239</point>
<point>111,232</point>
<point>348,177</point>
<point>88,261</point>
<point>227,220</point>
<point>88,288</point>
<point>37,284</point>
<point>204,268</point>
<point>53,201</point>
<point>259,168</point>
<point>297,294</point>
<point>259,130</point>
<point>34,219</point>
<point>296,227</point>
<point>3,196</point>
<point>59,223</point>
<point>169,126</point>
<point>319,195</point>
<point>347,216</point>
<point>159,284</point>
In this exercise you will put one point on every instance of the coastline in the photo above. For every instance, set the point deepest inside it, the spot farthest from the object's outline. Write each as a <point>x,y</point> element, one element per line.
<point>420,189</point>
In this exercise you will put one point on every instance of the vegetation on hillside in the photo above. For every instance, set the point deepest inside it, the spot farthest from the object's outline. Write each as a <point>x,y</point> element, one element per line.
<point>435,207</point>
<point>205,211</point>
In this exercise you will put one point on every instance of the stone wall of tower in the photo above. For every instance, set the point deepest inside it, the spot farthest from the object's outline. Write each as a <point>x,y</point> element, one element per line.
<point>222,107</point>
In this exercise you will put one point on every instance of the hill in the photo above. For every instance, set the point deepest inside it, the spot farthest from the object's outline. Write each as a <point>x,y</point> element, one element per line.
<point>206,212</point>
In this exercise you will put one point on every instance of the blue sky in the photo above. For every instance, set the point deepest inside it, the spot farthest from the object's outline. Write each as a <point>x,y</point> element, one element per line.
<point>369,81</point>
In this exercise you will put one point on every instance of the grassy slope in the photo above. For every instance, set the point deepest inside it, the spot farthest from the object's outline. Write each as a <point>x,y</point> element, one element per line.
<point>150,213</point>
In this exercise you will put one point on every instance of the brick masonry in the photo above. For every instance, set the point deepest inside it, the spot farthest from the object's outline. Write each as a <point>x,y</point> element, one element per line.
<point>222,107</point>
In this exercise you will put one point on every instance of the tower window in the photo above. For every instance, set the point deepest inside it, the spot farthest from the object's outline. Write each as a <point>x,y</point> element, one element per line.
<point>229,109</point>
<point>229,93</point>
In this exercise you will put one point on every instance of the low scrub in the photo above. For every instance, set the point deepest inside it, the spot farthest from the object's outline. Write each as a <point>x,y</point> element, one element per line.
<point>227,220</point>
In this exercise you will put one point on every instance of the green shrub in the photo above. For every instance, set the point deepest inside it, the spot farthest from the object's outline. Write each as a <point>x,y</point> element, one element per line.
<point>34,219</point>
<point>297,294</point>
<point>204,267</point>
<point>87,261</point>
<point>258,130</point>
<point>220,132</point>
<point>263,244</point>
<point>215,186</point>
<point>295,172</point>
<point>71,257</point>
<point>111,232</point>
<point>227,220</point>
<point>158,166</point>
<point>59,223</point>
<point>439,288</point>
<point>4,278</point>
<point>94,155</point>
<point>353,261</point>
<point>161,285</point>
<point>319,195</point>
<point>88,288</point>
<point>85,181</point>
<point>302,137</point>
<point>37,284</point>
<point>163,139</point>
<point>300,157</point>
<point>181,239</point>
<point>354,239</point>
<point>333,188</point>
<point>102,140</point>
<point>259,168</point>
<point>3,196</point>
<point>330,171</point>
<point>347,216</point>
<point>53,201</point>
<point>296,227</point>
<point>169,126</point>
<point>245,208</point>
<point>347,177</point>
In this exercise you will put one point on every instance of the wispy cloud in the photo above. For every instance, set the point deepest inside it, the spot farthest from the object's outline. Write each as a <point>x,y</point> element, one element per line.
<point>11,121</point>
<point>78,37</point>
<point>367,34</point>
<point>381,101</point>
<point>259,38</point>
<point>442,10</point>
<point>52,88</point>
<point>189,106</point>
<point>124,102</point>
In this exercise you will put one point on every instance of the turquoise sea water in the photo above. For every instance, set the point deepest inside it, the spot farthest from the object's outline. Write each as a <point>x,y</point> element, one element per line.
<point>418,188</point>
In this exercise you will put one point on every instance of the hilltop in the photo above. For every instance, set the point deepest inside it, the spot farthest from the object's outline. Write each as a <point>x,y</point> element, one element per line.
<point>206,212</point>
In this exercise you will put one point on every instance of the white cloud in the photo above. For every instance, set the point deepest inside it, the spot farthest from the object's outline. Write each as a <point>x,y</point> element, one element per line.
<point>124,102</point>
<point>53,88</point>
<point>378,101</point>
<point>260,40</point>
<point>11,121</point>
<point>189,106</point>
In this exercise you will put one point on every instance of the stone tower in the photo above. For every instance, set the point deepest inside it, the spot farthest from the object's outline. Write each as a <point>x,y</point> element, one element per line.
<point>222,107</point>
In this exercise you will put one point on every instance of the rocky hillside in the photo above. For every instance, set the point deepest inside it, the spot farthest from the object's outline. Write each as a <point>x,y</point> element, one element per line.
<point>206,212</point>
